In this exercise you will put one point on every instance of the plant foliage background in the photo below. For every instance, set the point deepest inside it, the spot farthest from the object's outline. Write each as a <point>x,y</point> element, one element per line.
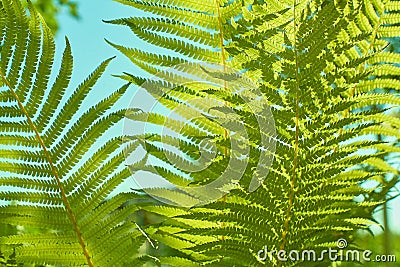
<point>325,69</point>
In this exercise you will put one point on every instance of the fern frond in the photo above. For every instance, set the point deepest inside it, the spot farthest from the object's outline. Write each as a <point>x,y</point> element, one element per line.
<point>53,177</point>
<point>321,66</point>
<point>318,86</point>
<point>195,31</point>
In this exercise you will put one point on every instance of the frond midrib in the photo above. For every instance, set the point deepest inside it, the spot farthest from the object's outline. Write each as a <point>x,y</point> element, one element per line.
<point>54,171</point>
<point>292,196</point>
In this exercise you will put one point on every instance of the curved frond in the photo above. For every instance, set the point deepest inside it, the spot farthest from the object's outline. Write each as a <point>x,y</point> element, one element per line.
<point>54,176</point>
<point>323,69</point>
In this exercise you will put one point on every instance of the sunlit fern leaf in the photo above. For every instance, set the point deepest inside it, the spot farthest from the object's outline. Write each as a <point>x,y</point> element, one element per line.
<point>194,31</point>
<point>318,63</point>
<point>307,200</point>
<point>56,175</point>
<point>381,19</point>
<point>191,31</point>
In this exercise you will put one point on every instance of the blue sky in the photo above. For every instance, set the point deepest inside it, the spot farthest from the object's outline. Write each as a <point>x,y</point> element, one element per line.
<point>87,36</point>
<point>89,49</point>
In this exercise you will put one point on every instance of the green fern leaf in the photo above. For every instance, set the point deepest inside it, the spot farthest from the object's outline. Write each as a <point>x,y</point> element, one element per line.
<point>54,175</point>
<point>320,66</point>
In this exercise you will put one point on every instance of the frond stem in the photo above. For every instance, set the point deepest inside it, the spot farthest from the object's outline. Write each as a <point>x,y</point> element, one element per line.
<point>296,145</point>
<point>53,170</point>
<point>223,61</point>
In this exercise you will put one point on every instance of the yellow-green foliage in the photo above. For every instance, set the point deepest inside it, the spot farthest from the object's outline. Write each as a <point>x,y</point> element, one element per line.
<point>321,66</point>
<point>53,171</point>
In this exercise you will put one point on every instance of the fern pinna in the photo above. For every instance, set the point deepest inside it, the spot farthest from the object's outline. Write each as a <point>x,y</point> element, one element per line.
<point>56,175</point>
<point>320,65</point>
